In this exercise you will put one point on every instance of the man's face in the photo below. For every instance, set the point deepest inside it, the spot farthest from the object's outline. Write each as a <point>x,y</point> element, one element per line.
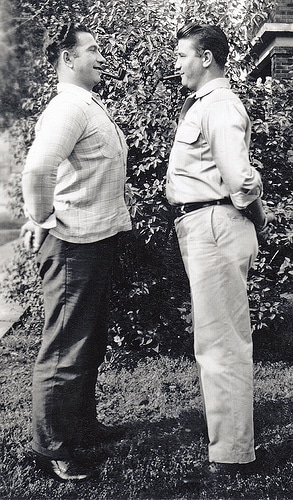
<point>87,61</point>
<point>189,64</point>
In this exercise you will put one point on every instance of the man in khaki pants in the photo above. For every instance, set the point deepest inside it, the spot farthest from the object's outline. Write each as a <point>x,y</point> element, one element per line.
<point>215,194</point>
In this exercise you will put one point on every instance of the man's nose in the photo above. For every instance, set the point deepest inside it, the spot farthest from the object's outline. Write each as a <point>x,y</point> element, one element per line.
<point>100,58</point>
<point>177,63</point>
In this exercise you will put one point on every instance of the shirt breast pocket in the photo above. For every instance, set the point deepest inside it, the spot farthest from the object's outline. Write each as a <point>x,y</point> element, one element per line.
<point>110,142</point>
<point>188,133</point>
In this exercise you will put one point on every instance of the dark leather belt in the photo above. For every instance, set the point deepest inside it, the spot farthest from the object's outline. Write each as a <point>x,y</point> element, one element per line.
<point>179,210</point>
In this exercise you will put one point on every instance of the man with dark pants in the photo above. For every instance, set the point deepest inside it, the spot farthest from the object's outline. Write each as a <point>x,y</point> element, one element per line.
<point>215,194</point>
<point>73,187</point>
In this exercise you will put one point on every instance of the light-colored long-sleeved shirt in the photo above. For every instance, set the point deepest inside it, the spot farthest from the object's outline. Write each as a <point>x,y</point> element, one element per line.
<point>74,177</point>
<point>210,156</point>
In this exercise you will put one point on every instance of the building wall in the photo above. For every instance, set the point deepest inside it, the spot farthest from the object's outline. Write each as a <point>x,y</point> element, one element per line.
<point>283,12</point>
<point>282,63</point>
<point>273,43</point>
<point>282,57</point>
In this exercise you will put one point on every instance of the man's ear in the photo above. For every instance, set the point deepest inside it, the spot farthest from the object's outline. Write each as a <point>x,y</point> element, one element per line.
<point>67,58</point>
<point>207,58</point>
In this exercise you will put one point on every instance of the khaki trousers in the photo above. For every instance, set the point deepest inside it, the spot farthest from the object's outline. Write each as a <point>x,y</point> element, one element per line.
<point>218,246</point>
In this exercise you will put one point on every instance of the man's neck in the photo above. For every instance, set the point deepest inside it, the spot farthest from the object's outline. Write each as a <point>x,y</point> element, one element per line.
<point>210,76</point>
<point>72,81</point>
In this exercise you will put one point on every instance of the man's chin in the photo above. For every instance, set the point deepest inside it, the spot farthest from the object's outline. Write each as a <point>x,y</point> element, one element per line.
<point>184,81</point>
<point>187,84</point>
<point>97,81</point>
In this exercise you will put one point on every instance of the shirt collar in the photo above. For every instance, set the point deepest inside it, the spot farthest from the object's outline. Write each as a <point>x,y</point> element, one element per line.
<point>214,84</point>
<point>79,92</point>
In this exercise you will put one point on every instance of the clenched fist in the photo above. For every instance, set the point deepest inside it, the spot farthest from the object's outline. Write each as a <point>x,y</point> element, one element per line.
<point>33,236</point>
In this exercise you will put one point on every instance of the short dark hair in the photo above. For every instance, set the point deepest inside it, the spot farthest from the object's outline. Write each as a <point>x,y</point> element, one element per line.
<point>208,37</point>
<point>65,39</point>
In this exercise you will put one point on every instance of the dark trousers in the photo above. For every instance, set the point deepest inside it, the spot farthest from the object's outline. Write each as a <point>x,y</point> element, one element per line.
<point>76,286</point>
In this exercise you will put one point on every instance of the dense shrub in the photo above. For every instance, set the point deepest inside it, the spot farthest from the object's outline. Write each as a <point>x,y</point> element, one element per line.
<point>151,306</point>
<point>270,107</point>
<point>21,282</point>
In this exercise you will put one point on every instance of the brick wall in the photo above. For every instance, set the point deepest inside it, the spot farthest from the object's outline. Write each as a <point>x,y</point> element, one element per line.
<point>274,42</point>
<point>282,57</point>
<point>282,62</point>
<point>283,12</point>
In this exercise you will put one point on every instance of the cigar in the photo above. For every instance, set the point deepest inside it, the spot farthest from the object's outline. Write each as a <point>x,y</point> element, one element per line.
<point>171,77</point>
<point>120,75</point>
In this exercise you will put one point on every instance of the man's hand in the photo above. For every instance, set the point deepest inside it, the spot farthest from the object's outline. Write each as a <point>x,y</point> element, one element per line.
<point>270,216</point>
<point>33,236</point>
<point>259,214</point>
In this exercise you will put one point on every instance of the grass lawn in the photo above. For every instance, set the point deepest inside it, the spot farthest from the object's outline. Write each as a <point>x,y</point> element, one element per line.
<point>156,402</point>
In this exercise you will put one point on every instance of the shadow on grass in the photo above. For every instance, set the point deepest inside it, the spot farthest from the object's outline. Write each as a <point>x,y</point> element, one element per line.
<point>158,447</point>
<point>275,344</point>
<point>273,430</point>
<point>154,456</point>
<point>149,460</point>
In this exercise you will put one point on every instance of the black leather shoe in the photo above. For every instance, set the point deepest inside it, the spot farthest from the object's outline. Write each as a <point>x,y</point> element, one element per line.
<point>211,471</point>
<point>64,470</point>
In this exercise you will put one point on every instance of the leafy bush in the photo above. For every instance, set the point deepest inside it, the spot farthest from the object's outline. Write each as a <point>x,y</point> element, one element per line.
<point>151,308</point>
<point>21,282</point>
<point>270,107</point>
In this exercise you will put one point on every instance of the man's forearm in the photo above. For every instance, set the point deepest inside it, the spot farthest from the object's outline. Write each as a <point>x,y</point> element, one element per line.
<point>38,194</point>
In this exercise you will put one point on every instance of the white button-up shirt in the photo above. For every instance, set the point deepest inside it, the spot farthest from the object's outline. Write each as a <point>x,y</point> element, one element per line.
<point>210,156</point>
<point>74,177</point>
